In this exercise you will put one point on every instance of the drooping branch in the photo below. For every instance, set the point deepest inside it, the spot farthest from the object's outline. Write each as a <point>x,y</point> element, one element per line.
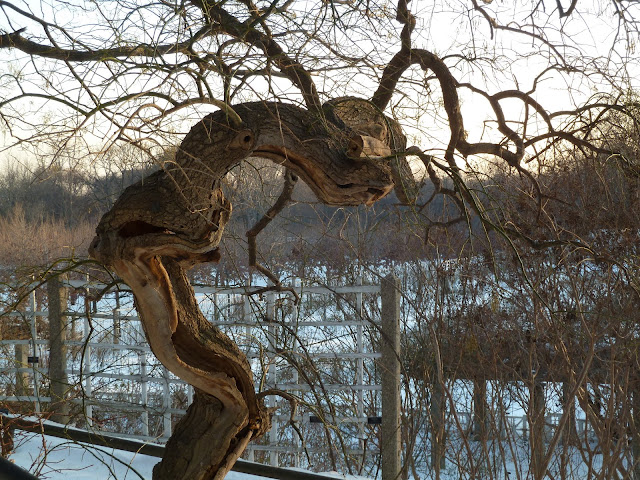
<point>290,180</point>
<point>451,101</point>
<point>449,86</point>
<point>408,56</point>
<point>18,41</point>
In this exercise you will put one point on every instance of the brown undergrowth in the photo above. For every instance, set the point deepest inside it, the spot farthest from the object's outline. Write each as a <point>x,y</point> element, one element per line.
<point>25,243</point>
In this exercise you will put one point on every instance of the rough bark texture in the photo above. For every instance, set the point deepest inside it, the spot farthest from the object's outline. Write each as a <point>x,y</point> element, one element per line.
<point>175,219</point>
<point>366,119</point>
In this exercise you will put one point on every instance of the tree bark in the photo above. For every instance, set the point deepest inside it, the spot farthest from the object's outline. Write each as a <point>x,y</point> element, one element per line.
<point>175,219</point>
<point>204,445</point>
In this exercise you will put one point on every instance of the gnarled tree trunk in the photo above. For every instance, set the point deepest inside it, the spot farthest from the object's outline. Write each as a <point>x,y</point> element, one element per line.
<point>175,219</point>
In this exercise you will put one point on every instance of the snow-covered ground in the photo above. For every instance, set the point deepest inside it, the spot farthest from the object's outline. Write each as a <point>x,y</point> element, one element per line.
<point>52,458</point>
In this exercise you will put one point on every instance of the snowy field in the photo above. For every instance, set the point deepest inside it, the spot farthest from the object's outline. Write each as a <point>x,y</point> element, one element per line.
<point>53,458</point>
<point>66,460</point>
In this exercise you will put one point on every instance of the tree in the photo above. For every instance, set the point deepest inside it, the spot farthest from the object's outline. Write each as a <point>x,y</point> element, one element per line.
<point>138,74</point>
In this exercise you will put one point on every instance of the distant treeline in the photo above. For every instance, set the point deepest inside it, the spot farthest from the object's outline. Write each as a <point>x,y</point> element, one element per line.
<point>69,196</point>
<point>51,211</point>
<point>36,202</point>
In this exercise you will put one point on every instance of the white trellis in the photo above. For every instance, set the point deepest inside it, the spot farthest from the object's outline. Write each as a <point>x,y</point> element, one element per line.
<point>332,324</point>
<point>109,349</point>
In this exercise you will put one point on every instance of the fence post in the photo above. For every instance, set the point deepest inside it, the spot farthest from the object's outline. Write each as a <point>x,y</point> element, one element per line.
<point>438,428</point>
<point>166,404</point>
<point>635,431</point>
<point>35,360</point>
<point>360,368</point>
<point>536,418</point>
<point>116,325</point>
<point>87,373</point>
<point>272,377</point>
<point>480,423</point>
<point>22,377</point>
<point>144,397</point>
<point>570,433</point>
<point>390,378</point>
<point>58,297</point>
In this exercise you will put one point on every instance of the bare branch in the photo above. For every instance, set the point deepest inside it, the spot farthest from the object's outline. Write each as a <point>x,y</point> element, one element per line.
<point>401,60</point>
<point>17,41</point>
<point>284,198</point>
<point>569,11</point>
<point>292,69</point>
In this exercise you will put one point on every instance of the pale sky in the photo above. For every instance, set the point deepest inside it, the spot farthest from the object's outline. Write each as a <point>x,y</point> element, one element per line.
<point>449,29</point>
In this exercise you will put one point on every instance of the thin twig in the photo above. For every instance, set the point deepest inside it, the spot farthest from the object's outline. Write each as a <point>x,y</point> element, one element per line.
<point>290,180</point>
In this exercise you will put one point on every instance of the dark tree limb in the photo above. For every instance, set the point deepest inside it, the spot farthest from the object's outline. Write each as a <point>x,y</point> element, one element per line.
<point>284,198</point>
<point>565,13</point>
<point>401,60</point>
<point>17,41</point>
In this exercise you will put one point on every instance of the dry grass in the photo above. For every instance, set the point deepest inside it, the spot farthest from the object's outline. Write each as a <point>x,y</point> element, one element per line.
<point>29,244</point>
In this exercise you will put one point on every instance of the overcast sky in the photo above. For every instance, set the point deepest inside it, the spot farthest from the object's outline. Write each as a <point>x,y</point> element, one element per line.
<point>591,38</point>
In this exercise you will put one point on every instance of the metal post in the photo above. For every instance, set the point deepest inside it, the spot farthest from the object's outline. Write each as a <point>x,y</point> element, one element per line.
<point>272,376</point>
<point>142,357</point>
<point>390,376</point>
<point>360,367</point>
<point>34,353</point>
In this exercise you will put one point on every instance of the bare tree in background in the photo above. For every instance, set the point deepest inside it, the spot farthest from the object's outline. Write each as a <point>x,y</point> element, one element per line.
<point>511,85</point>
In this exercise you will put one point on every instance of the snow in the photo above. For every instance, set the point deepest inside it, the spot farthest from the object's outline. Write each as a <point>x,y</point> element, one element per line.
<point>52,458</point>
